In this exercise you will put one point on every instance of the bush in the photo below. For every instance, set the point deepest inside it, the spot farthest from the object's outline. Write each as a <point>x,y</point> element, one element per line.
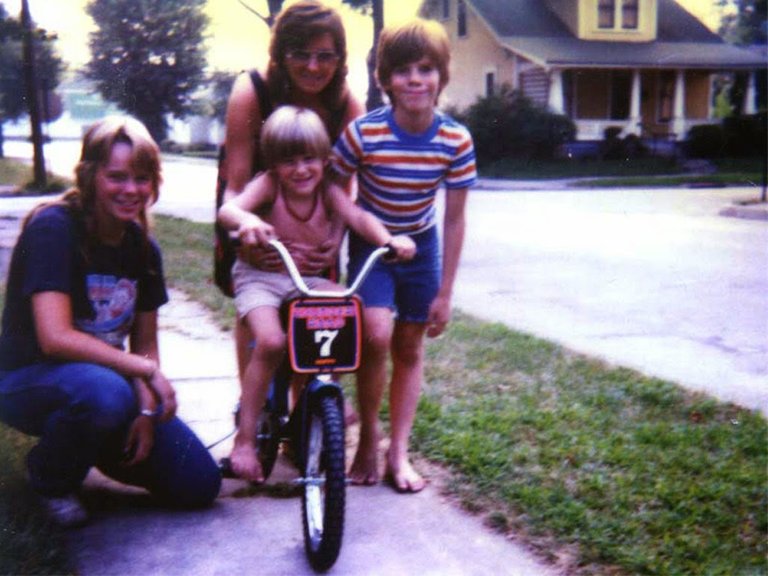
<point>706,141</point>
<point>511,126</point>
<point>745,135</point>
<point>614,147</point>
<point>736,137</point>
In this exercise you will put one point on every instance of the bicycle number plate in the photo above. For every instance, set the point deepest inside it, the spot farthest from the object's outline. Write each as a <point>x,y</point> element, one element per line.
<point>324,334</point>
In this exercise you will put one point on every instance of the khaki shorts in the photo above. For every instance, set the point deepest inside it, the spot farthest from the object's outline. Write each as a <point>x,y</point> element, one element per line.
<point>255,288</point>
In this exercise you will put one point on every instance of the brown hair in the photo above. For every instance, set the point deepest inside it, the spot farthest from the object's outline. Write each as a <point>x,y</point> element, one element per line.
<point>96,151</point>
<point>295,26</point>
<point>290,131</point>
<point>409,42</point>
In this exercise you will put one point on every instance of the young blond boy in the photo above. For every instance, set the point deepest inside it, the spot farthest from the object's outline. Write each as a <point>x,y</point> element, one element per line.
<point>402,154</point>
<point>293,202</point>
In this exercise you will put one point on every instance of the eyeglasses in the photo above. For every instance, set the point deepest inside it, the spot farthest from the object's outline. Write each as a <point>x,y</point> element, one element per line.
<point>322,57</point>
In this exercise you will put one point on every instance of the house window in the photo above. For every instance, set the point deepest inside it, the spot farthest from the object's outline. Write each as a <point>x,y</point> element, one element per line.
<point>490,83</point>
<point>629,14</point>
<point>606,13</point>
<point>446,9</point>
<point>598,94</point>
<point>462,18</point>
<point>620,95</point>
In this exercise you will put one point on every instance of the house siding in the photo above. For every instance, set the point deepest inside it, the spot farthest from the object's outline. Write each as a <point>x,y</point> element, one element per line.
<point>472,57</point>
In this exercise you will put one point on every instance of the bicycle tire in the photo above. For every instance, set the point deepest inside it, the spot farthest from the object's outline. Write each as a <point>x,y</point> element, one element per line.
<point>324,493</point>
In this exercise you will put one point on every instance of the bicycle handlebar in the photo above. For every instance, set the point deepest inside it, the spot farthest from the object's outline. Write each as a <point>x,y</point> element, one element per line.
<point>302,287</point>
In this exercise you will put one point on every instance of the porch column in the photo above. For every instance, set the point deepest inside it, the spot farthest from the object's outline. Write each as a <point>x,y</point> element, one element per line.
<point>635,120</point>
<point>678,116</point>
<point>556,101</point>
<point>751,95</point>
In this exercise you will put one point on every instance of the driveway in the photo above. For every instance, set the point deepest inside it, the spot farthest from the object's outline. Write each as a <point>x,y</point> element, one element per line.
<point>654,279</point>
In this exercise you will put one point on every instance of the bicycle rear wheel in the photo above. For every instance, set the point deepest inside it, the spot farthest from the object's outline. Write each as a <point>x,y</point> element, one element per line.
<point>324,496</point>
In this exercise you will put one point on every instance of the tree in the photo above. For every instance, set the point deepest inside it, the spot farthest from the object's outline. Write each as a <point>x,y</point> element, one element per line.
<point>274,7</point>
<point>221,86</point>
<point>13,93</point>
<point>747,25</point>
<point>148,57</point>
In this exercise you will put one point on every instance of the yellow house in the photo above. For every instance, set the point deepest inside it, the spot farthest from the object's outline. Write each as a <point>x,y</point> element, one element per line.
<point>645,66</point>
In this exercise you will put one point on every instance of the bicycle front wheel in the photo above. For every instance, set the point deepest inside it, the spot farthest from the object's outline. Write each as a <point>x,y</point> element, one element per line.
<point>324,483</point>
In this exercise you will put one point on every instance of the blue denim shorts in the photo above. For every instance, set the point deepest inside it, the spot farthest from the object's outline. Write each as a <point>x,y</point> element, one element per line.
<point>407,288</point>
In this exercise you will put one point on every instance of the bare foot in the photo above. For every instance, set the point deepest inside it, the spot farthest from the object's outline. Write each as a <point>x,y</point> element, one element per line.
<point>403,478</point>
<point>365,466</point>
<point>245,463</point>
<point>350,414</point>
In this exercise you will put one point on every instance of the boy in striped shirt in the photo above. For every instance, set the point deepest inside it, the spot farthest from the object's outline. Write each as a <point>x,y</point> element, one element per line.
<point>402,154</point>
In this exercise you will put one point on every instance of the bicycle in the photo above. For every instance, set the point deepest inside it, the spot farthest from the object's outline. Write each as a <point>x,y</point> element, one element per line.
<point>324,330</point>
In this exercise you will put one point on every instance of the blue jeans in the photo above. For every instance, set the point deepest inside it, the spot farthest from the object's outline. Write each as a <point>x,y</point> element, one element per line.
<point>82,412</point>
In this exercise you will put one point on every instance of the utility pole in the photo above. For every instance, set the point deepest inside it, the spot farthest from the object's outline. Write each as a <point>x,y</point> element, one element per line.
<point>33,98</point>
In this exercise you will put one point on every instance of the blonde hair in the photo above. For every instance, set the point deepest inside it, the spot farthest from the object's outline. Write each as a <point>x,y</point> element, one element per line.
<point>291,131</point>
<point>409,42</point>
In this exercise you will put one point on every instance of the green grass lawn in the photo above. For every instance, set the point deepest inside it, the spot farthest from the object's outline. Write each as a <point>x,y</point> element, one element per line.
<point>29,543</point>
<point>627,472</point>
<point>621,473</point>
<point>637,172</point>
<point>15,173</point>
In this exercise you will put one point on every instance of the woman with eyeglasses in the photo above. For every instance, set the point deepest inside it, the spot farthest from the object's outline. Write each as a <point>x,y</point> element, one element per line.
<point>307,68</point>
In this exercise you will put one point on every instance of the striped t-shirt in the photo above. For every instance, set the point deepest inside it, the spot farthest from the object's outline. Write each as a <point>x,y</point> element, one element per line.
<point>399,174</point>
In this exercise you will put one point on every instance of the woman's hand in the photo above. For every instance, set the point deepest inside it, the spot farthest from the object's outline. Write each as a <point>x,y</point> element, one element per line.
<point>313,262</point>
<point>165,394</point>
<point>316,261</point>
<point>141,438</point>
<point>265,259</point>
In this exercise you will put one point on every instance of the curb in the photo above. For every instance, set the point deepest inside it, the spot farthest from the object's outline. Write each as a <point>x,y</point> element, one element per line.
<point>747,211</point>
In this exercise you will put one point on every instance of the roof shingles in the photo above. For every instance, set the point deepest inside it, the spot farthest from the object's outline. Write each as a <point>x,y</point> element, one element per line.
<point>531,29</point>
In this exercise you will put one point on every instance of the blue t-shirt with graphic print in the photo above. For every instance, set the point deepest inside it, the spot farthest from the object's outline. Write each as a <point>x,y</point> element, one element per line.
<point>107,285</point>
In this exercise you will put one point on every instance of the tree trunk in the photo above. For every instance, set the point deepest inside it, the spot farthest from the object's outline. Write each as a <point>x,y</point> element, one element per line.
<point>374,92</point>
<point>33,101</point>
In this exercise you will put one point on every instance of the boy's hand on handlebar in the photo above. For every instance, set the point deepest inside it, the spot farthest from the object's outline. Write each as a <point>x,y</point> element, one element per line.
<point>256,233</point>
<point>404,248</point>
